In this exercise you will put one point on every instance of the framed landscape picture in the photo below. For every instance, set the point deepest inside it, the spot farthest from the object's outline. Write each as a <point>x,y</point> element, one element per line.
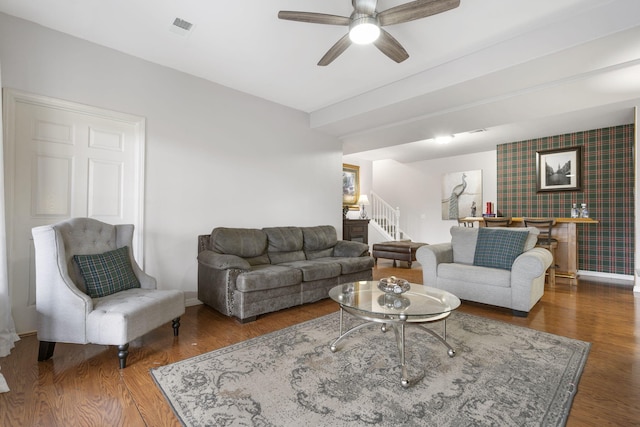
<point>350,185</point>
<point>559,169</point>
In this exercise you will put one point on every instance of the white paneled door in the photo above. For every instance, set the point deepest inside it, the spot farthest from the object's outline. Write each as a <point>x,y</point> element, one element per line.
<point>65,160</point>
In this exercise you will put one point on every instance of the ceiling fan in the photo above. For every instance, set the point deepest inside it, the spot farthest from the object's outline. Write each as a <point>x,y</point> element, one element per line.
<point>365,24</point>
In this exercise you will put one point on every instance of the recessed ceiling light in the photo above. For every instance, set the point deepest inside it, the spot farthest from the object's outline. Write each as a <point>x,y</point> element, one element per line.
<point>444,139</point>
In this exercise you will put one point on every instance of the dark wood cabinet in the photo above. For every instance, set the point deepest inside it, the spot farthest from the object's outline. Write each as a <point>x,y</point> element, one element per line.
<point>356,230</point>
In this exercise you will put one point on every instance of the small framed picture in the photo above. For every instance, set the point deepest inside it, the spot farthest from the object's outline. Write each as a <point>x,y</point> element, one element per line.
<point>560,169</point>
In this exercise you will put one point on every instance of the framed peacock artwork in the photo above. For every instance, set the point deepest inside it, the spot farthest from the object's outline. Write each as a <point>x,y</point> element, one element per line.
<point>462,194</point>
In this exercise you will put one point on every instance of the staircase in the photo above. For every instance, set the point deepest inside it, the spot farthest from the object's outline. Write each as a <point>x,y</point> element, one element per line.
<point>386,219</point>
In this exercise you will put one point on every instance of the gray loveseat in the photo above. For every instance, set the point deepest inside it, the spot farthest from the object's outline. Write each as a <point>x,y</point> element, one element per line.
<point>245,272</point>
<point>489,265</point>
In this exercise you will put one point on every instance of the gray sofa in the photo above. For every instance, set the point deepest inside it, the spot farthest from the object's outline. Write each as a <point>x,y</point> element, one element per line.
<point>245,272</point>
<point>497,268</point>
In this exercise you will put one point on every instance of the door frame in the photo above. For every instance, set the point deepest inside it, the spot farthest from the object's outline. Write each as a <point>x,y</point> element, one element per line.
<point>11,98</point>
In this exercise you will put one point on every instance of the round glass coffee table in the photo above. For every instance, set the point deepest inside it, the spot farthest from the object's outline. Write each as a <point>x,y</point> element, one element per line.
<point>417,306</point>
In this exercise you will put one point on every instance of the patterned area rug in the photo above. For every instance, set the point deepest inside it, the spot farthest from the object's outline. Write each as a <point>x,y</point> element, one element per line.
<point>501,375</point>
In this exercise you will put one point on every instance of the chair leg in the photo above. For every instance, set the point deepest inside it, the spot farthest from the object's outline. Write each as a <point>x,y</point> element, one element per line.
<point>46,350</point>
<point>123,352</point>
<point>552,269</point>
<point>176,326</point>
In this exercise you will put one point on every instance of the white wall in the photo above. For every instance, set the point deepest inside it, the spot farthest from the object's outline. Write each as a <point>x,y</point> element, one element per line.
<point>215,156</point>
<point>416,188</point>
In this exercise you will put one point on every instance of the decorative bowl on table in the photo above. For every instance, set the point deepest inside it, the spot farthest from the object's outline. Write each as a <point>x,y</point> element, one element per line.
<point>393,285</point>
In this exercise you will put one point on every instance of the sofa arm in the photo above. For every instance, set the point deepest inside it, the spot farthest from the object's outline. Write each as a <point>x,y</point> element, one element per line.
<point>217,275</point>
<point>530,264</point>
<point>216,288</point>
<point>222,261</point>
<point>527,278</point>
<point>348,248</point>
<point>429,256</point>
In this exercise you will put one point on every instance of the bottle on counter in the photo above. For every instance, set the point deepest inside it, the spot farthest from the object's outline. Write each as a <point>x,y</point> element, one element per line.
<point>575,213</point>
<point>584,212</point>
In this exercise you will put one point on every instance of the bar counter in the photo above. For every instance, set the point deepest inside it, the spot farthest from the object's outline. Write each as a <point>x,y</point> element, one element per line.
<point>566,232</point>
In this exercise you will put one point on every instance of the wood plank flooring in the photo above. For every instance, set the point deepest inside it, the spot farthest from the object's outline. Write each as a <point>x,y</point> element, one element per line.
<point>82,385</point>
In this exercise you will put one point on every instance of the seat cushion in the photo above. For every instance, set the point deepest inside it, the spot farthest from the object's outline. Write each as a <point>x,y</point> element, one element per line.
<point>119,318</point>
<point>313,270</point>
<point>262,277</point>
<point>350,264</point>
<point>107,273</point>
<point>473,275</point>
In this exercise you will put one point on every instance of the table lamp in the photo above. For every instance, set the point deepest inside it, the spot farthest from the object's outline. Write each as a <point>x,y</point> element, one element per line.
<point>363,201</point>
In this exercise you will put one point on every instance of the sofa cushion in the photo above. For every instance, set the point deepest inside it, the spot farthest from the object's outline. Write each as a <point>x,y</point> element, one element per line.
<point>107,273</point>
<point>319,241</point>
<point>312,270</point>
<point>498,247</point>
<point>124,316</point>
<point>463,241</point>
<point>350,264</point>
<point>247,243</point>
<point>284,244</point>
<point>222,261</point>
<point>532,238</point>
<point>472,275</point>
<point>347,248</point>
<point>319,254</point>
<point>262,277</point>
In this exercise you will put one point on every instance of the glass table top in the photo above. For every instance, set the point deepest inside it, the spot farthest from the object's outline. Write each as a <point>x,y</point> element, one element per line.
<point>416,304</point>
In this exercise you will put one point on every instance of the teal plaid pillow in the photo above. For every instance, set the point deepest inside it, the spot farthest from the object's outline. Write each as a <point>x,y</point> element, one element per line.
<point>107,273</point>
<point>498,248</point>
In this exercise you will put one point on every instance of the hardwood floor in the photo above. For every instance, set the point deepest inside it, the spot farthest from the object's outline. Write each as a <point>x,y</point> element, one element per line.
<point>82,385</point>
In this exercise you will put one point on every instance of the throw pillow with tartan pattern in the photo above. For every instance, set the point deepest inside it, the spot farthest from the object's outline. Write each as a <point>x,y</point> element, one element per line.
<point>107,273</point>
<point>498,248</point>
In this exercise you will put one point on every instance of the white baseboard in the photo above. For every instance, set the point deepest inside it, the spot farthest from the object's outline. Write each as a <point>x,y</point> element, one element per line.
<point>191,302</point>
<point>619,279</point>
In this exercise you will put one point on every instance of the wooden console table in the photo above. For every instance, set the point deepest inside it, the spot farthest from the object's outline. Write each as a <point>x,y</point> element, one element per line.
<point>356,230</point>
<point>566,232</point>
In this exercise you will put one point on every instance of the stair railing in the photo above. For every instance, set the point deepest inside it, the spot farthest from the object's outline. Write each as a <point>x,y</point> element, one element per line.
<point>386,217</point>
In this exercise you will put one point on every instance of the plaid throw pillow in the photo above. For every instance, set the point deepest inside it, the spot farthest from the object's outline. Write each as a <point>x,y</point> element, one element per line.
<point>107,273</point>
<point>498,248</point>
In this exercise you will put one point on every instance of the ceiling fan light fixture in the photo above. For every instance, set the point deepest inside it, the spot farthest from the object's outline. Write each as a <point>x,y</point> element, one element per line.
<point>364,30</point>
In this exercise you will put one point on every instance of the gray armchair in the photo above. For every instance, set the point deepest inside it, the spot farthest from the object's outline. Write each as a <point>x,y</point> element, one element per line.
<point>497,266</point>
<point>89,288</point>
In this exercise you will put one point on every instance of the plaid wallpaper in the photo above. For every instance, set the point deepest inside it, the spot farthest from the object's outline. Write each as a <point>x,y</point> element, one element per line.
<point>607,188</point>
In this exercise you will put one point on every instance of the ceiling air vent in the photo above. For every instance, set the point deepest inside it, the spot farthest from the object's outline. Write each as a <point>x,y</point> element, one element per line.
<point>181,27</point>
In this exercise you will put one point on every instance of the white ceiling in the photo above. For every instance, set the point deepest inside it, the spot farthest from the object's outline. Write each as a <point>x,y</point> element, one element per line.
<point>518,69</point>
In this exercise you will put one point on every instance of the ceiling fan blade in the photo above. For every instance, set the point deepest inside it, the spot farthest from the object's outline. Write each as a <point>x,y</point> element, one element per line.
<point>390,47</point>
<point>415,10</point>
<point>313,18</point>
<point>336,50</point>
